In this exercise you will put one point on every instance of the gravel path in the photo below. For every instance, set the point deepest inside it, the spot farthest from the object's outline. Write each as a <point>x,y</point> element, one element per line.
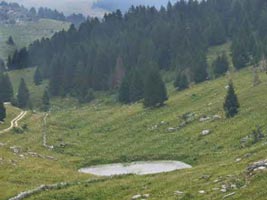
<point>14,122</point>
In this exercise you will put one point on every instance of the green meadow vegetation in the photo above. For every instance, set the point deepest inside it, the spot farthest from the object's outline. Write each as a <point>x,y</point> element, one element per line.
<point>26,33</point>
<point>107,132</point>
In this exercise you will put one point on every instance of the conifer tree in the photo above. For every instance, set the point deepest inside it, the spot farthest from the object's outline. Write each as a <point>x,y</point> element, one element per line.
<point>23,96</point>
<point>155,93</point>
<point>136,88</point>
<point>220,65</point>
<point>37,77</point>
<point>46,101</point>
<point>124,91</point>
<point>181,82</point>
<point>231,104</point>
<point>6,89</point>
<point>2,65</point>
<point>10,41</point>
<point>2,111</point>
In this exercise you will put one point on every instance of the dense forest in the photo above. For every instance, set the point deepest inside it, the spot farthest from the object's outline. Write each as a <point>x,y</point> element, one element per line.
<point>121,50</point>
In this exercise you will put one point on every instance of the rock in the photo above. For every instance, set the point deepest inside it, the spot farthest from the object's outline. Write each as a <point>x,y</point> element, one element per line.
<point>205,177</point>
<point>216,117</point>
<point>178,192</point>
<point>146,196</point>
<point>233,186</point>
<point>171,129</point>
<point>201,192</point>
<point>183,124</point>
<point>247,155</point>
<point>256,166</point>
<point>2,144</point>
<point>260,168</point>
<point>137,196</point>
<point>238,159</point>
<point>227,87</point>
<point>22,156</point>
<point>205,132</point>
<point>204,119</point>
<point>163,123</point>
<point>229,195</point>
<point>223,190</point>
<point>189,117</point>
<point>244,139</point>
<point>15,149</point>
<point>50,158</point>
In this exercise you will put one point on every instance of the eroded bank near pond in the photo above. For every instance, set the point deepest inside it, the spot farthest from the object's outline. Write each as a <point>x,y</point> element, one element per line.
<point>138,168</point>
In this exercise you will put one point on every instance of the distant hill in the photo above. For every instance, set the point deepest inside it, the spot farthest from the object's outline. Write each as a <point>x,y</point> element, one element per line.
<point>112,5</point>
<point>13,13</point>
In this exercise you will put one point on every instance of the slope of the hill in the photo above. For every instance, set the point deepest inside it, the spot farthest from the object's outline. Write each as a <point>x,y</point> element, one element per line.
<point>27,32</point>
<point>107,132</point>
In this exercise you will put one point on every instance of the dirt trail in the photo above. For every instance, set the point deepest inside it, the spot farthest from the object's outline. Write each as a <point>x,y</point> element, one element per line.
<point>14,122</point>
<point>45,133</point>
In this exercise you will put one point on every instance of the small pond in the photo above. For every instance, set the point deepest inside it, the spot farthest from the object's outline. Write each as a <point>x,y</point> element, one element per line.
<point>138,168</point>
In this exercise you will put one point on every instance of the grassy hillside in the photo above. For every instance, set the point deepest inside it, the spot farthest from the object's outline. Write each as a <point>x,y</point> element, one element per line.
<point>36,92</point>
<point>107,132</point>
<point>26,33</point>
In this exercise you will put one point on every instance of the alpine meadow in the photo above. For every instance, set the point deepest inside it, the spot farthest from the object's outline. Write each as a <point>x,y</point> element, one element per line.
<point>145,103</point>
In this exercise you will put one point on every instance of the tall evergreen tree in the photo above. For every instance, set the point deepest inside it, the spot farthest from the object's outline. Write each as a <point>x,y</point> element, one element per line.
<point>46,101</point>
<point>220,65</point>
<point>23,96</point>
<point>124,91</point>
<point>2,65</point>
<point>37,77</point>
<point>10,41</point>
<point>155,93</point>
<point>231,104</point>
<point>136,89</point>
<point>2,111</point>
<point>181,82</point>
<point>6,88</point>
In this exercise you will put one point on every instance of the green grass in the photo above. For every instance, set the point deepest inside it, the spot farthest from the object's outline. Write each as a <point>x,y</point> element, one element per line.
<point>11,114</point>
<point>36,92</point>
<point>26,33</point>
<point>107,132</point>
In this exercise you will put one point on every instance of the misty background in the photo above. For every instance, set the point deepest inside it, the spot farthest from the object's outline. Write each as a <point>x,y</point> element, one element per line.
<point>89,7</point>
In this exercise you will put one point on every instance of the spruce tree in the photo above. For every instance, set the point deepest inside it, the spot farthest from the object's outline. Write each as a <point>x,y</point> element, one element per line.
<point>136,88</point>
<point>220,65</point>
<point>6,89</point>
<point>155,93</point>
<point>10,41</point>
<point>181,82</point>
<point>46,101</point>
<point>124,91</point>
<point>2,65</point>
<point>2,111</point>
<point>37,77</point>
<point>231,104</point>
<point>23,96</point>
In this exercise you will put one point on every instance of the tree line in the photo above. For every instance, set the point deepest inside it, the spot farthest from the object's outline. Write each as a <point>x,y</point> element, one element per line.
<point>121,50</point>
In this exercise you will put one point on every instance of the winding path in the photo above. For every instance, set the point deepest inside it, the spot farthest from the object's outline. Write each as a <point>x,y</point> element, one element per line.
<point>14,122</point>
